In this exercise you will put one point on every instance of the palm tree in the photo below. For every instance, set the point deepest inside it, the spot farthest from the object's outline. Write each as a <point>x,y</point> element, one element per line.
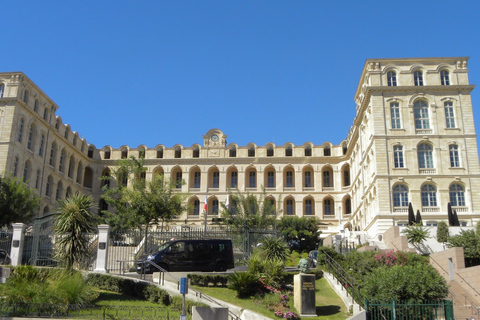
<point>73,222</point>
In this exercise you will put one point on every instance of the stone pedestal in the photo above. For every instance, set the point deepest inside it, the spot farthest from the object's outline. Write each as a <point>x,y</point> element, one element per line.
<point>304,294</point>
<point>18,238</point>
<point>102,251</point>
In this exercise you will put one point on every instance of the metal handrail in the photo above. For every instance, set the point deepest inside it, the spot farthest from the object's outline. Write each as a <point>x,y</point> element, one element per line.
<point>345,279</point>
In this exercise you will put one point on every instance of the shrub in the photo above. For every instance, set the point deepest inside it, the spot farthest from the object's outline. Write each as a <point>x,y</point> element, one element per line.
<point>419,281</point>
<point>273,248</point>
<point>442,232</point>
<point>273,270</point>
<point>207,280</point>
<point>331,252</point>
<point>245,283</point>
<point>416,234</point>
<point>129,287</point>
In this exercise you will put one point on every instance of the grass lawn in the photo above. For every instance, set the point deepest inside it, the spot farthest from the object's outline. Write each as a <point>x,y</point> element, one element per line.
<point>329,305</point>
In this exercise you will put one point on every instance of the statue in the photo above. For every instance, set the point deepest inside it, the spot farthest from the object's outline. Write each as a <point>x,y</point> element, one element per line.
<point>303,265</point>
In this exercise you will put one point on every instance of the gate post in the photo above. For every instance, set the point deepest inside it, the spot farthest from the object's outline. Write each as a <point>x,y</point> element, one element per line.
<point>102,252</point>
<point>18,238</point>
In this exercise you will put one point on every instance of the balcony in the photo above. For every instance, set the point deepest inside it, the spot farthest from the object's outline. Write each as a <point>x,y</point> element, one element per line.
<point>427,171</point>
<point>460,209</point>
<point>400,209</point>
<point>430,209</point>
<point>423,131</point>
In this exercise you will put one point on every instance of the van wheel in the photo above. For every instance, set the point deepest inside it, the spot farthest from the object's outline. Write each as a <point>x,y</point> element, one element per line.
<point>221,266</point>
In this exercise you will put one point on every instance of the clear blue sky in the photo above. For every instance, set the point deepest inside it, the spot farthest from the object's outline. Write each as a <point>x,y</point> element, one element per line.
<point>165,72</point>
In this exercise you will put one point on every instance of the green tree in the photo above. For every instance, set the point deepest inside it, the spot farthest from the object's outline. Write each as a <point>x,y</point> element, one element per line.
<point>416,234</point>
<point>273,248</point>
<point>73,222</point>
<point>18,203</point>
<point>302,232</point>
<point>139,203</point>
<point>251,210</point>
<point>469,240</point>
<point>442,232</point>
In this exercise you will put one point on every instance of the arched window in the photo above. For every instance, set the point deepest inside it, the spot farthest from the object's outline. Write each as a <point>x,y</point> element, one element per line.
<point>160,153</point>
<point>400,196</point>
<point>398,157</point>
<point>346,176</point>
<point>67,131</point>
<point>88,178</point>
<point>196,207</point>
<point>196,152</point>
<point>107,154</point>
<point>418,78</point>
<point>425,156</point>
<point>79,173</point>
<point>196,176</point>
<point>251,151</point>
<point>308,151</point>
<point>178,152</point>
<point>37,180</point>
<point>215,207</point>
<point>454,157</point>
<point>90,152</point>
<point>214,178</point>
<point>420,111</point>
<point>141,153</point>
<point>232,152</point>
<point>2,89</point>
<point>42,143</point>
<point>429,196</point>
<point>20,129</point>
<point>395,115</point>
<point>35,105</point>
<point>392,79</point>
<point>15,166</point>
<point>269,151</point>
<point>444,78</point>
<point>124,154</point>
<point>327,174</point>
<point>177,177</point>
<point>327,151</point>
<point>289,151</point>
<point>457,195</point>
<point>45,114</point>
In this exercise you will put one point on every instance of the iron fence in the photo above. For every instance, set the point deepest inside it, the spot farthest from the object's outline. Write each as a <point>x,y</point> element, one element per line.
<point>128,246</point>
<point>59,311</point>
<point>6,240</point>
<point>410,310</point>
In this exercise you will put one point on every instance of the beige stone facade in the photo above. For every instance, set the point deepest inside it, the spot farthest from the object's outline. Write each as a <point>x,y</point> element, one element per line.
<point>413,140</point>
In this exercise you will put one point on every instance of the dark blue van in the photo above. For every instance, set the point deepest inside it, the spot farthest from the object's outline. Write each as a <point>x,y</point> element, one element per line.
<point>190,255</point>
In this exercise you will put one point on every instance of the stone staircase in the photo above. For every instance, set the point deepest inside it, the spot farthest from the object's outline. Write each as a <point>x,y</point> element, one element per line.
<point>463,306</point>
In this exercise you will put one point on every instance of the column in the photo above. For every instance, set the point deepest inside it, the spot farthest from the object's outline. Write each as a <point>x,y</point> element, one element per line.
<point>102,250</point>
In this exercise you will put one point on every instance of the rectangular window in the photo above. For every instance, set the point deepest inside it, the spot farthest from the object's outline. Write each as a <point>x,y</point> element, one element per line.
<point>289,207</point>
<point>327,207</point>
<point>398,156</point>
<point>216,179</point>
<point>454,158</point>
<point>418,78</point>
<point>449,115</point>
<point>40,149</point>
<point>196,180</point>
<point>52,156</point>
<point>270,179</point>
<point>395,114</point>
<point>326,179</point>
<point>308,207</point>
<point>308,179</point>
<point>178,179</point>
<point>234,179</point>
<point>289,182</point>
<point>252,181</point>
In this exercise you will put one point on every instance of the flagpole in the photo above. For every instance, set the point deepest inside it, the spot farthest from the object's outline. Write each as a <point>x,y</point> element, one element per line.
<point>205,209</point>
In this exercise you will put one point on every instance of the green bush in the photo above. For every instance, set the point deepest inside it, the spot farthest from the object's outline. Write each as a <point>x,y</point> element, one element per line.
<point>331,252</point>
<point>245,283</point>
<point>273,248</point>
<point>207,280</point>
<point>129,287</point>
<point>405,282</point>
<point>46,286</point>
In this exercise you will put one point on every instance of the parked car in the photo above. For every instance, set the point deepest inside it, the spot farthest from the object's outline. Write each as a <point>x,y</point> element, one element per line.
<point>4,258</point>
<point>190,255</point>
<point>312,259</point>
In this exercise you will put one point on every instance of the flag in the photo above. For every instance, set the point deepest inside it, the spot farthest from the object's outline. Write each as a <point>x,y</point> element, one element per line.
<point>206,202</point>
<point>227,203</point>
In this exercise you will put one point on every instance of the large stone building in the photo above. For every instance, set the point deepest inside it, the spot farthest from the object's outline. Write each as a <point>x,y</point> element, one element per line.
<point>413,140</point>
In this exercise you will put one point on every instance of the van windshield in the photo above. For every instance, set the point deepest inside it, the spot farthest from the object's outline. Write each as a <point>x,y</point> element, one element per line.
<point>164,246</point>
